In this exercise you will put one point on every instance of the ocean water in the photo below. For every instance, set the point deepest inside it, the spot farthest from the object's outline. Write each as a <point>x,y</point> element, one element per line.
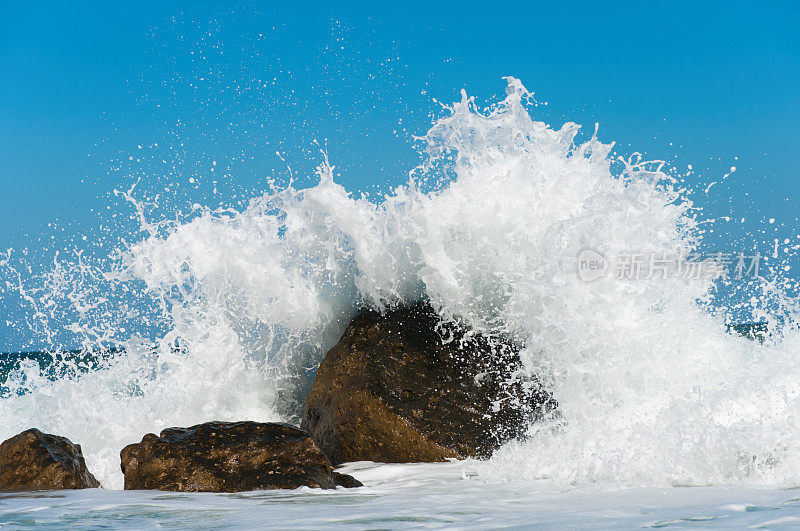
<point>425,496</point>
<point>664,418</point>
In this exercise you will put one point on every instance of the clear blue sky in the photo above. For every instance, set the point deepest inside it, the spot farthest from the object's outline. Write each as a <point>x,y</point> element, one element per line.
<point>85,83</point>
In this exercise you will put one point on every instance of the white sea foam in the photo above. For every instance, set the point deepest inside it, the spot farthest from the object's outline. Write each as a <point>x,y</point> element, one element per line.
<point>418,495</point>
<point>651,390</point>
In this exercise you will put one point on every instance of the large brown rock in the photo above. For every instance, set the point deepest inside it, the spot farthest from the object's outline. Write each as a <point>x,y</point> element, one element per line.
<point>229,457</point>
<point>33,460</point>
<point>393,390</point>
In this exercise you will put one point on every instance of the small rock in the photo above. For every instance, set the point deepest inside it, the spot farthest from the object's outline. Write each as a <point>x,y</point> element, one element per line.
<point>229,457</point>
<point>403,387</point>
<point>33,460</point>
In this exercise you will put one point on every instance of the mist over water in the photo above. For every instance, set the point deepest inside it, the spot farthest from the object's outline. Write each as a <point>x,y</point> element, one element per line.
<point>224,312</point>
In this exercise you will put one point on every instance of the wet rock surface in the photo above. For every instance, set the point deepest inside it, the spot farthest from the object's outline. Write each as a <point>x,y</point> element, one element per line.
<point>33,460</point>
<point>400,387</point>
<point>229,457</point>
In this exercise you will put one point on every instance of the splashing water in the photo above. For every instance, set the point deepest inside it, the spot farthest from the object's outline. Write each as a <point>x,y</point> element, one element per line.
<point>651,390</point>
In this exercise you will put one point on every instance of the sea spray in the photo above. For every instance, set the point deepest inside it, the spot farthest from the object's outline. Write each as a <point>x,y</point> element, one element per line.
<point>241,305</point>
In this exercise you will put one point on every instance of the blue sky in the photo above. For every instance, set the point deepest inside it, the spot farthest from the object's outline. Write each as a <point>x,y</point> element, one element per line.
<point>83,84</point>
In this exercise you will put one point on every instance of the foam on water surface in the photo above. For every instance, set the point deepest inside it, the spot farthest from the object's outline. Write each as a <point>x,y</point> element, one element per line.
<point>428,496</point>
<point>651,390</point>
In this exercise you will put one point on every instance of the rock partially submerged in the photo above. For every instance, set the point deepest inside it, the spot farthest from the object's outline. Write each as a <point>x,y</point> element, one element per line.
<point>229,457</point>
<point>392,390</point>
<point>33,460</point>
